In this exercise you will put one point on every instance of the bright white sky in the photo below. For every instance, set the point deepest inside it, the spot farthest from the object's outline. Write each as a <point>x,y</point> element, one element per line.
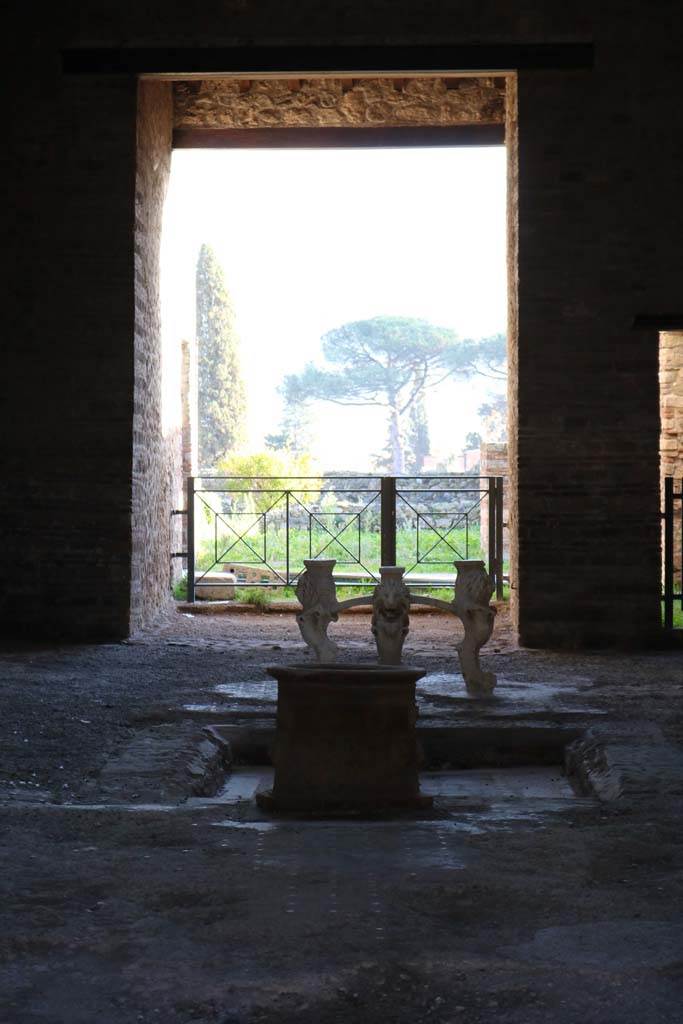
<point>311,239</point>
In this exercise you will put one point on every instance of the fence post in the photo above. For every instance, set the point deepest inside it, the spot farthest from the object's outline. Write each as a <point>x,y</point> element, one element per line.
<point>286,537</point>
<point>388,520</point>
<point>668,552</point>
<point>678,496</point>
<point>499,538</point>
<point>491,549</point>
<point>190,539</point>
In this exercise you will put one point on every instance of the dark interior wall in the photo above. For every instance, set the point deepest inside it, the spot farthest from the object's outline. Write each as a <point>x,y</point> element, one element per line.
<point>600,219</point>
<point>588,399</point>
<point>67,354</point>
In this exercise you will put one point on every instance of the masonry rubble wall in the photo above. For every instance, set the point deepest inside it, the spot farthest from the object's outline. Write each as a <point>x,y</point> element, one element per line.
<point>338,102</point>
<point>595,228</point>
<point>157,441</point>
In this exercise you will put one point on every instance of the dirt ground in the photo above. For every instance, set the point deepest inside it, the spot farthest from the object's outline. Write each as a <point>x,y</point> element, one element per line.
<point>133,891</point>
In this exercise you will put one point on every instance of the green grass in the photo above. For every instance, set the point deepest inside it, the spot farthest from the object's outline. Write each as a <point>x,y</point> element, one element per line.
<point>678,615</point>
<point>259,597</point>
<point>440,554</point>
<point>262,597</point>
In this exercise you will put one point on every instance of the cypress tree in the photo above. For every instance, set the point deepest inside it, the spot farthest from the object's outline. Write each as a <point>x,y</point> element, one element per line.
<point>221,392</point>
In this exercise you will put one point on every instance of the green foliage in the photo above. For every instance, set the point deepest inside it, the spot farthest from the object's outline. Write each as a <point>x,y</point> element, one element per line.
<point>273,466</point>
<point>221,392</point>
<point>391,362</point>
<point>180,589</point>
<point>489,356</point>
<point>678,615</point>
<point>259,597</point>
<point>472,440</point>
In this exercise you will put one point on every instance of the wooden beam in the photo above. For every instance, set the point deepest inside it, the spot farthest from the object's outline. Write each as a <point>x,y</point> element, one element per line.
<point>293,61</point>
<point>658,322</point>
<point>338,138</point>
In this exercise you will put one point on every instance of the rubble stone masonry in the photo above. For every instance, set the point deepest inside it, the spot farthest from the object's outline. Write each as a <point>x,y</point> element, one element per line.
<point>338,103</point>
<point>157,450</point>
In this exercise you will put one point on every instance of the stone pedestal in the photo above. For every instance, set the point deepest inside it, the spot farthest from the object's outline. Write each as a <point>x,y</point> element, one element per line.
<point>345,739</point>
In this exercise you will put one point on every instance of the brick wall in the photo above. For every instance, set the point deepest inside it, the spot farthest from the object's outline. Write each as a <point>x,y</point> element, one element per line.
<point>67,357</point>
<point>588,565</point>
<point>595,239</point>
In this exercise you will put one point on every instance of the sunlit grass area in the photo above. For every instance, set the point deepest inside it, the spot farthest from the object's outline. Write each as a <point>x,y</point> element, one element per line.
<point>678,615</point>
<point>355,551</point>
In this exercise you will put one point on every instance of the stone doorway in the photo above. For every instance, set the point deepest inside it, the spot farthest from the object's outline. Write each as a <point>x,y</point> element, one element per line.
<point>671,441</point>
<point>461,110</point>
<point>563,438</point>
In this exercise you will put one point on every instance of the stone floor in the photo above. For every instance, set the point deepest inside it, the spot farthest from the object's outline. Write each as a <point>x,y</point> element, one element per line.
<point>140,883</point>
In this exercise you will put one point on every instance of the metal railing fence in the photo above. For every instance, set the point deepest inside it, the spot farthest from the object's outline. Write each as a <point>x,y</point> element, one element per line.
<point>262,528</point>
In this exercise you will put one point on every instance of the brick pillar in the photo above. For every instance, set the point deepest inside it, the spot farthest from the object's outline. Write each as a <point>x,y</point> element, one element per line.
<point>585,417</point>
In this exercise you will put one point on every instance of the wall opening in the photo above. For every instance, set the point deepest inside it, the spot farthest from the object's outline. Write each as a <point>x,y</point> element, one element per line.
<point>354,124</point>
<point>671,447</point>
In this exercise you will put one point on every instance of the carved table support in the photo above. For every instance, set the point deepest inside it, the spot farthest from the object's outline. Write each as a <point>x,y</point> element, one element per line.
<point>390,614</point>
<point>473,591</point>
<point>391,601</point>
<point>318,597</point>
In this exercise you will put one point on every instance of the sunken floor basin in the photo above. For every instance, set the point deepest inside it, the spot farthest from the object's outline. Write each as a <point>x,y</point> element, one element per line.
<point>345,739</point>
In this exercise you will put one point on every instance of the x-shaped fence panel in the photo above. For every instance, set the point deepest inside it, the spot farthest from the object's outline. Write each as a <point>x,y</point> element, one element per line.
<point>442,533</point>
<point>263,528</point>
